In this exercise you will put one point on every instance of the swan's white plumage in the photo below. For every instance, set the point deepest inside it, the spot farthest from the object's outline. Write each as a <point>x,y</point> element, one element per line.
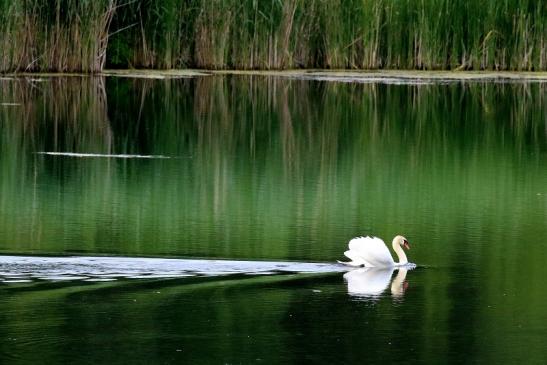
<point>372,251</point>
<point>356,260</point>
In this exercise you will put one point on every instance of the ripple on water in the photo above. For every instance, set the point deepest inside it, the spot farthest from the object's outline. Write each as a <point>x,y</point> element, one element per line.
<point>14,269</point>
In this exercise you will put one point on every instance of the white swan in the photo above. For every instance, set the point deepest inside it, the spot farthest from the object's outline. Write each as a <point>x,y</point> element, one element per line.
<point>373,252</point>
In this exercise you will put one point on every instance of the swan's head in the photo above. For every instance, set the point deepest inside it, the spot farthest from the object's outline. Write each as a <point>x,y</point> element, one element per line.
<point>401,241</point>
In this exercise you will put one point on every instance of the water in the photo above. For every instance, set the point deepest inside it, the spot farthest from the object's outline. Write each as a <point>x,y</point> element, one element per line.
<point>89,268</point>
<point>262,170</point>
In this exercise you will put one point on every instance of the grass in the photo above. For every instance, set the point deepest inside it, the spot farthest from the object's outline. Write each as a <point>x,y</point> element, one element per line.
<point>59,35</point>
<point>56,35</point>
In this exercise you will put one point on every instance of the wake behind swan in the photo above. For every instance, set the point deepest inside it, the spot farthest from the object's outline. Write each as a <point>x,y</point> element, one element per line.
<point>15,269</point>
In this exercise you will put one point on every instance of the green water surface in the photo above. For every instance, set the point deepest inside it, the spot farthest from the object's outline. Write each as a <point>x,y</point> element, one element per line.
<point>272,168</point>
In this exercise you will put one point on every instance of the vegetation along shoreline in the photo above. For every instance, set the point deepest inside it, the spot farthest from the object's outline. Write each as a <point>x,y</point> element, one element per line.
<point>91,36</point>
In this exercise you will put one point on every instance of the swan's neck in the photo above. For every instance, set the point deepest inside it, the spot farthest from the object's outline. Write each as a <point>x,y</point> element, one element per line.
<point>400,253</point>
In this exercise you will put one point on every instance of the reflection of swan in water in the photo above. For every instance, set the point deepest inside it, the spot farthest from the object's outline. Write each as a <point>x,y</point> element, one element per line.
<point>373,252</point>
<point>372,282</point>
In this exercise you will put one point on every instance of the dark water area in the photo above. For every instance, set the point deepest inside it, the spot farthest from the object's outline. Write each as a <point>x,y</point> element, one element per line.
<point>268,169</point>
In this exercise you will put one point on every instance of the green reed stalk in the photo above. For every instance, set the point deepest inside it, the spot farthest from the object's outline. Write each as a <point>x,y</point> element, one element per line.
<point>58,35</point>
<point>86,35</point>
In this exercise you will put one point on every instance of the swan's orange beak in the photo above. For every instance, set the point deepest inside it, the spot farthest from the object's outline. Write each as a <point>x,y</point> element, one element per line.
<point>406,245</point>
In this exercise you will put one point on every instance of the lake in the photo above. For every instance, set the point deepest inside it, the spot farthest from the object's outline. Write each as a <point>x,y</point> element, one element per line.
<point>270,171</point>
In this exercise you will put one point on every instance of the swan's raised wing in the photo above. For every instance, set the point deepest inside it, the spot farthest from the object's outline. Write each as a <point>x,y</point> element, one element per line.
<point>356,260</point>
<point>372,251</point>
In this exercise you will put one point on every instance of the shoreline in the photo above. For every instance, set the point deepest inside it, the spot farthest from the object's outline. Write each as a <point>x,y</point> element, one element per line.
<point>313,74</point>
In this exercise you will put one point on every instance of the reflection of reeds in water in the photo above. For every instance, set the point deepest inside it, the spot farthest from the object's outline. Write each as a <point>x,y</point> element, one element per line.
<point>268,164</point>
<point>58,114</point>
<point>65,115</point>
<point>286,169</point>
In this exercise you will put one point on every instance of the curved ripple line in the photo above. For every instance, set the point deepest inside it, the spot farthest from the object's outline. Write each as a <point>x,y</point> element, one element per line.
<point>101,155</point>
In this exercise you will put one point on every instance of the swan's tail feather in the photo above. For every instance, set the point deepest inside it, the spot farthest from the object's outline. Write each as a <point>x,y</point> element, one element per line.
<point>350,263</point>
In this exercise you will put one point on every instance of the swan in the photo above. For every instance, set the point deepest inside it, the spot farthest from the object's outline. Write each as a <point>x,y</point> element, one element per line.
<point>373,252</point>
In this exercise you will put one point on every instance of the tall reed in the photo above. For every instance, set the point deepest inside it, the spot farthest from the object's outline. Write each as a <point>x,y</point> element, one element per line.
<point>62,35</point>
<point>358,34</point>
<point>55,35</point>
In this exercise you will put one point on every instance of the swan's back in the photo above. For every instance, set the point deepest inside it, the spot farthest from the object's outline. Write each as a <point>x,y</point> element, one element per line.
<point>369,251</point>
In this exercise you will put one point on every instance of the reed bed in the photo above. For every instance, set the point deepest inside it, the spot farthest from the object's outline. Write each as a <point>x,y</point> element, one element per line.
<point>61,35</point>
<point>54,35</point>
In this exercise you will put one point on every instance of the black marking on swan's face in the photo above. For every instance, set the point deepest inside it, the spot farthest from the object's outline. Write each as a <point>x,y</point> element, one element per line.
<point>406,244</point>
